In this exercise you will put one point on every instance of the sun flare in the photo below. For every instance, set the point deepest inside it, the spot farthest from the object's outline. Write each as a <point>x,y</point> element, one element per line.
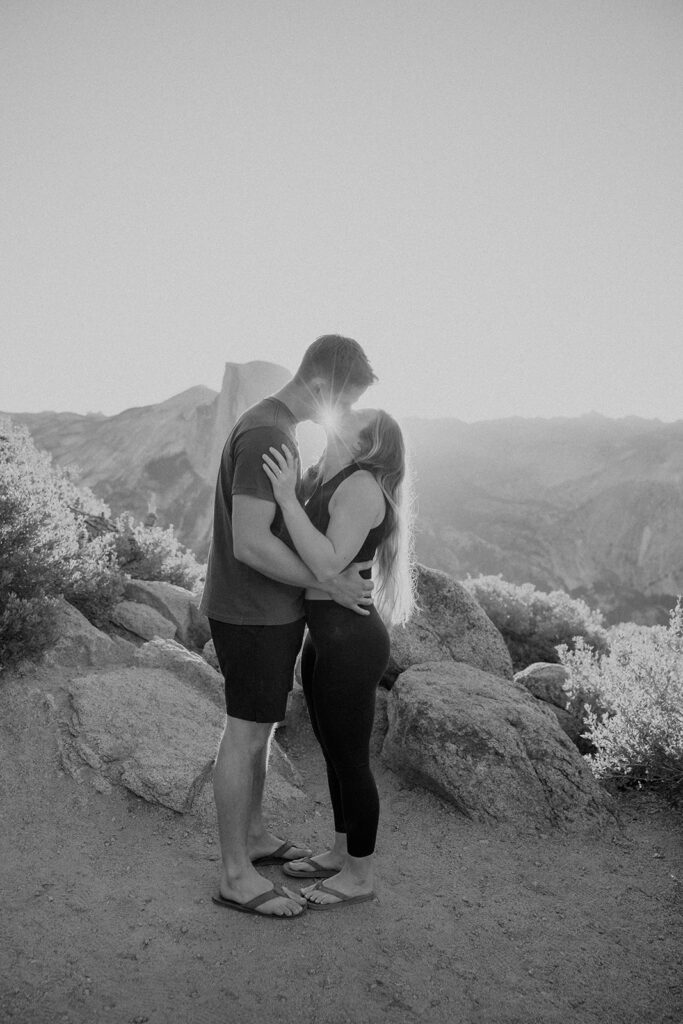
<point>329,418</point>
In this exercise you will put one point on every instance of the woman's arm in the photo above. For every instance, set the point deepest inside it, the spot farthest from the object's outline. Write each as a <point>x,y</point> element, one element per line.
<point>354,510</point>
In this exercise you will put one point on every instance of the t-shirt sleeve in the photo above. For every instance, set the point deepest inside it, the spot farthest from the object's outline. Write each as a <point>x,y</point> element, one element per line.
<point>248,474</point>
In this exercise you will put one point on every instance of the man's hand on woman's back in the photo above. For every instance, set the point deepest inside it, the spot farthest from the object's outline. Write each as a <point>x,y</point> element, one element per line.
<point>350,589</point>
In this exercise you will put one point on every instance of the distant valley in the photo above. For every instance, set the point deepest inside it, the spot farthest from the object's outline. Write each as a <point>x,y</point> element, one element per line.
<point>589,505</point>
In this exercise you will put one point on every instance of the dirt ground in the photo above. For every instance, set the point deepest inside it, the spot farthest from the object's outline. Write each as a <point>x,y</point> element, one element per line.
<point>107,917</point>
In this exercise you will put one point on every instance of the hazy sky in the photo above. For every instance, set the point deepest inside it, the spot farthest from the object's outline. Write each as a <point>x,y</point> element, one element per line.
<point>485,193</point>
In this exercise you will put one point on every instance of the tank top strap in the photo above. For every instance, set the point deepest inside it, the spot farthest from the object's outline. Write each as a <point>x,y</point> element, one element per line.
<point>339,477</point>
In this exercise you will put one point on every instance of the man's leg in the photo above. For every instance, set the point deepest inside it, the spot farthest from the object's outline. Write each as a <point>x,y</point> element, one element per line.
<point>241,752</point>
<point>257,663</point>
<point>261,842</point>
<point>257,827</point>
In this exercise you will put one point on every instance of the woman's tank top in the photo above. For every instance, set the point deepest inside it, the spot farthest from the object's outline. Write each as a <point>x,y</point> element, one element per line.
<point>317,509</point>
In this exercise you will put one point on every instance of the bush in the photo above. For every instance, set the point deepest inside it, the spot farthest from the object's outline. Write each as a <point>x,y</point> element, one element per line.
<point>534,623</point>
<point>45,549</point>
<point>153,553</point>
<point>57,538</point>
<point>95,582</point>
<point>639,740</point>
<point>27,626</point>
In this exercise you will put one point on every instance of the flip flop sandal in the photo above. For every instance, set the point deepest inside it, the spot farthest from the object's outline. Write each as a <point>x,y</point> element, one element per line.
<point>278,856</point>
<point>342,899</point>
<point>318,870</point>
<point>251,907</point>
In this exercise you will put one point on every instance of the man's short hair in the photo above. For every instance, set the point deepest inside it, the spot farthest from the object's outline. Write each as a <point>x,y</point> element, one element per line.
<point>340,361</point>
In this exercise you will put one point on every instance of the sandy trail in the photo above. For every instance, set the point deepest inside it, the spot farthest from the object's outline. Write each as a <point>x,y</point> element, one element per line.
<point>107,914</point>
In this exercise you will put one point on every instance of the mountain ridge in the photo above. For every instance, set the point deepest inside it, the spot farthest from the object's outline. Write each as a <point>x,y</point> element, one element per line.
<point>589,504</point>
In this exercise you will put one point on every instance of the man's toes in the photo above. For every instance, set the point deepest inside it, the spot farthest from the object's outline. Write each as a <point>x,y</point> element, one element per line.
<point>294,896</point>
<point>294,906</point>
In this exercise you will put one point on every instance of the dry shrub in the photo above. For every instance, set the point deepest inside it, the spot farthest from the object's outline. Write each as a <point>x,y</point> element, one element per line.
<point>639,739</point>
<point>533,623</point>
<point>45,549</point>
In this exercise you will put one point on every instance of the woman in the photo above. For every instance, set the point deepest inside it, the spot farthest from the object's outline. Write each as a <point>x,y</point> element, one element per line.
<point>356,509</point>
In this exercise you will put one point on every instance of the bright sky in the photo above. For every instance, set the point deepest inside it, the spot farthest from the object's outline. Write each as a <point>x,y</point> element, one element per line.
<point>485,193</point>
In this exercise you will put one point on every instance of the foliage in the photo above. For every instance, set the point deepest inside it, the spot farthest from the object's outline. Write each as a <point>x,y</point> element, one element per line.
<point>640,737</point>
<point>45,549</point>
<point>95,583</point>
<point>153,553</point>
<point>57,538</point>
<point>533,623</point>
<point>27,626</point>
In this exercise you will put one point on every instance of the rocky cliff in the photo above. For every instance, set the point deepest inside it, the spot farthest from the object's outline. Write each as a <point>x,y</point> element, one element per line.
<point>589,505</point>
<point>160,458</point>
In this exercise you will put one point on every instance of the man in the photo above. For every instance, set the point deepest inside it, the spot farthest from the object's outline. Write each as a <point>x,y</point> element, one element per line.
<point>254,600</point>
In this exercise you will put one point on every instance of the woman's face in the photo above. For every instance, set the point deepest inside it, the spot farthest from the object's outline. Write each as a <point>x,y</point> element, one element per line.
<point>348,425</point>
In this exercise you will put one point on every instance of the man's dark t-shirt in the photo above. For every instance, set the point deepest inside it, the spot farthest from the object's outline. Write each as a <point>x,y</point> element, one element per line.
<point>233,591</point>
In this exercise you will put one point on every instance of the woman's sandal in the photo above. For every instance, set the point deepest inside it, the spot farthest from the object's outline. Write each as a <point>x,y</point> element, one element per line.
<point>342,900</point>
<point>318,871</point>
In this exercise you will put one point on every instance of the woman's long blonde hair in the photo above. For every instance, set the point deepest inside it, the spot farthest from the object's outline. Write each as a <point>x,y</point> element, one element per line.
<point>381,450</point>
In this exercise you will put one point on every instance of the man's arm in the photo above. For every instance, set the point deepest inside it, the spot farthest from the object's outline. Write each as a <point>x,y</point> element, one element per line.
<point>257,547</point>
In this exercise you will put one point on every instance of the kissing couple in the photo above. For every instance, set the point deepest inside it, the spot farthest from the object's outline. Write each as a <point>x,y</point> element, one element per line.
<point>327,551</point>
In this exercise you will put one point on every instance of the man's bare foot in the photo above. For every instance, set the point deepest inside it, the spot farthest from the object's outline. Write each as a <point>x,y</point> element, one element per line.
<point>247,888</point>
<point>266,844</point>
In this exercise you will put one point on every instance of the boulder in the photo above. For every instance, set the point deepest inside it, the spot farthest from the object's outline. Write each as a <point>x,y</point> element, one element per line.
<point>176,604</point>
<point>145,729</point>
<point>486,745</point>
<point>141,620</point>
<point>81,644</point>
<point>280,765</point>
<point>546,681</point>
<point>449,626</point>
<point>186,665</point>
<point>552,684</point>
<point>573,727</point>
<point>209,654</point>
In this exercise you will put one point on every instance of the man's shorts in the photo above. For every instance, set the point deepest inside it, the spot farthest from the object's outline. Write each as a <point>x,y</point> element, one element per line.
<point>257,663</point>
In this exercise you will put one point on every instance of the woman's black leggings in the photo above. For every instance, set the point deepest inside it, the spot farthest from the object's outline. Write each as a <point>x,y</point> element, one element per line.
<point>344,657</point>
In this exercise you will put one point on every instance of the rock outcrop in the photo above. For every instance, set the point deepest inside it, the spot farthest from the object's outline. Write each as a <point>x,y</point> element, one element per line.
<point>186,665</point>
<point>176,604</point>
<point>546,682</point>
<point>449,626</point>
<point>147,717</point>
<point>81,644</point>
<point>550,683</point>
<point>490,748</point>
<point>143,728</point>
<point>209,655</point>
<point>155,732</point>
<point>142,621</point>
